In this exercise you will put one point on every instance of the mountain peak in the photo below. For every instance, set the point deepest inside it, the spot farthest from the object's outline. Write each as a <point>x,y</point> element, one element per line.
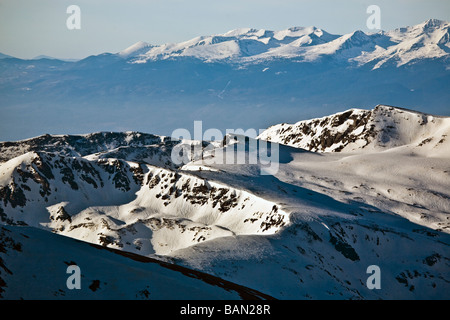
<point>433,23</point>
<point>359,36</point>
<point>135,49</point>
<point>357,129</point>
<point>242,31</point>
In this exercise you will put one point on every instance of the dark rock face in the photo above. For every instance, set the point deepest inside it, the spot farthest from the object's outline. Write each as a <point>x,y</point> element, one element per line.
<point>137,147</point>
<point>13,195</point>
<point>45,171</point>
<point>322,134</point>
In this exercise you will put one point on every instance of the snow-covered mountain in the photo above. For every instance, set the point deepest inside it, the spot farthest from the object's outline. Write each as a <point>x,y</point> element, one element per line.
<point>353,130</point>
<point>244,43</point>
<point>231,80</point>
<point>131,146</point>
<point>129,205</point>
<point>348,190</point>
<point>429,39</point>
<point>346,210</point>
<point>309,230</point>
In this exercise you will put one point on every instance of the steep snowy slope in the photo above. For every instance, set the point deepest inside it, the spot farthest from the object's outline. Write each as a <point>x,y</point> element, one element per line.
<point>105,273</point>
<point>358,130</point>
<point>136,207</point>
<point>27,181</point>
<point>347,212</point>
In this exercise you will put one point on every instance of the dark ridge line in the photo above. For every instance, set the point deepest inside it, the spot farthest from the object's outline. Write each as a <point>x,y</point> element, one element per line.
<point>409,110</point>
<point>244,292</point>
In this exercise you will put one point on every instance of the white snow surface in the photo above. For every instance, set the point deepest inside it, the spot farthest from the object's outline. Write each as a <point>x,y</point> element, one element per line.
<point>372,189</point>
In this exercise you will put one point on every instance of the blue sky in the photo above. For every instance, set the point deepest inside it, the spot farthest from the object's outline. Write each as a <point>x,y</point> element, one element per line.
<point>29,28</point>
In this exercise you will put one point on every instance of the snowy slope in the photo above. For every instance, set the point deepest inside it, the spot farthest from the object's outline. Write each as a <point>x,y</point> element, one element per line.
<point>308,230</point>
<point>127,205</point>
<point>105,273</point>
<point>357,130</point>
<point>347,211</point>
<point>135,49</point>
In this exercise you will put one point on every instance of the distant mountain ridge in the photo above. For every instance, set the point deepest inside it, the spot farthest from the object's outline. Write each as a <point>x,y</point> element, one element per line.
<point>242,78</point>
<point>429,39</point>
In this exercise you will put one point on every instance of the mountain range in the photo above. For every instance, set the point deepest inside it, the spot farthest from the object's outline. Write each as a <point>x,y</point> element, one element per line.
<point>231,80</point>
<point>353,189</point>
<point>356,128</point>
<point>427,40</point>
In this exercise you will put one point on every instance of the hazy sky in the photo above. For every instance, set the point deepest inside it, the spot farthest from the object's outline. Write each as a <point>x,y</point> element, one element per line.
<point>29,28</point>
